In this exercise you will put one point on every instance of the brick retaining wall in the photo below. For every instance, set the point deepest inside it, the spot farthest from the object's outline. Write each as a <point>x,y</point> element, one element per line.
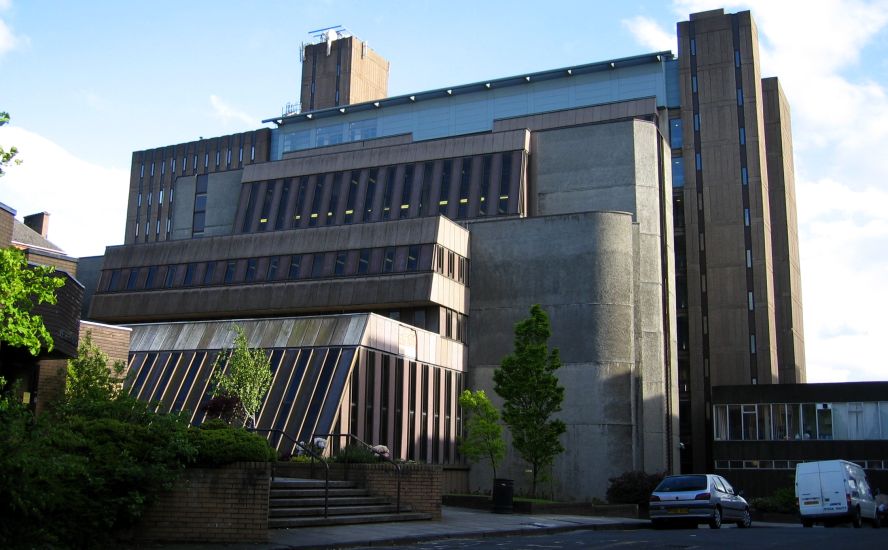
<point>228,504</point>
<point>420,483</point>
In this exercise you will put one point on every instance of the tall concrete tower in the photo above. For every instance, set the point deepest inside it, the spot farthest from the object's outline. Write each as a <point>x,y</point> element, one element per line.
<point>341,70</point>
<point>743,282</point>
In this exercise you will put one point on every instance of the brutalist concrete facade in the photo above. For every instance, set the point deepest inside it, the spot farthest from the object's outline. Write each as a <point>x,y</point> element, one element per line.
<point>453,211</point>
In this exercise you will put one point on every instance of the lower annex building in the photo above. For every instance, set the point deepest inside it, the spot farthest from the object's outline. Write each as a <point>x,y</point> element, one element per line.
<point>382,251</point>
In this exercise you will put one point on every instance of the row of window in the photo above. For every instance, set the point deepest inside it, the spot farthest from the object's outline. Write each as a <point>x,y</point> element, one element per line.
<point>343,263</point>
<point>205,163</point>
<point>788,464</point>
<point>412,408</point>
<point>801,421</point>
<point>460,188</point>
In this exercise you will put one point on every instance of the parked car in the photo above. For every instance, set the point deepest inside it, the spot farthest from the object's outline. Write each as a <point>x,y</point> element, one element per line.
<point>698,498</point>
<point>834,491</point>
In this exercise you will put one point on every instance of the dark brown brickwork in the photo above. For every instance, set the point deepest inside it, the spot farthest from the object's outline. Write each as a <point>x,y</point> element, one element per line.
<point>228,504</point>
<point>58,261</point>
<point>50,382</point>
<point>63,318</point>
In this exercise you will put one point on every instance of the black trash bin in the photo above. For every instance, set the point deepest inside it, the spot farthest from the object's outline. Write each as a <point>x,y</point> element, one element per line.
<point>502,496</point>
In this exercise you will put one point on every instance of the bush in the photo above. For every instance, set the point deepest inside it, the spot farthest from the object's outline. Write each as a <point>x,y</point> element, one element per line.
<point>358,454</point>
<point>218,443</point>
<point>783,501</point>
<point>633,487</point>
<point>74,476</point>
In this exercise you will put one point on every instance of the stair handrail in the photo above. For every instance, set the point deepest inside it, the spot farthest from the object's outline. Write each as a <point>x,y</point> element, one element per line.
<point>394,463</point>
<point>311,452</point>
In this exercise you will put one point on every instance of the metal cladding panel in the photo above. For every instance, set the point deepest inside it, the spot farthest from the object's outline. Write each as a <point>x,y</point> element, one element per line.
<point>332,330</point>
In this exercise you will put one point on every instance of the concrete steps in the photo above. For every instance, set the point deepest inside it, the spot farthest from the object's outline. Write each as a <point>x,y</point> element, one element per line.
<point>300,503</point>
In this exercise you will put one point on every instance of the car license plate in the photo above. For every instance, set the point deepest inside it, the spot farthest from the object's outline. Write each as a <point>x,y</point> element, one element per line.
<point>678,510</point>
<point>811,502</point>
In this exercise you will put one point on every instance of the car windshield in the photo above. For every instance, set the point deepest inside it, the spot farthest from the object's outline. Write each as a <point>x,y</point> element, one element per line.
<point>681,483</point>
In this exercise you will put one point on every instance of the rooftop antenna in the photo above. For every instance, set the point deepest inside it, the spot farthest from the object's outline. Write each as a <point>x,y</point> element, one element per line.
<point>328,35</point>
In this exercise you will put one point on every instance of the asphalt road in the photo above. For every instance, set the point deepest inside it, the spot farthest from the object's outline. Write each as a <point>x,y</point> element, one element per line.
<point>728,537</point>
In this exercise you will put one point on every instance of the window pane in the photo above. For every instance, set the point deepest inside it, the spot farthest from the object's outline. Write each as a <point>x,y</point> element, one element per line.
<point>675,139</point>
<point>824,422</point>
<point>721,422</point>
<point>678,172</point>
<point>735,422</point>
<point>840,420</point>
<point>809,421</point>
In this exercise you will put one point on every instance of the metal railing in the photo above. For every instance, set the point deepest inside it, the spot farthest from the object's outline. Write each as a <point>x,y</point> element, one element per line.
<point>391,461</point>
<point>309,451</point>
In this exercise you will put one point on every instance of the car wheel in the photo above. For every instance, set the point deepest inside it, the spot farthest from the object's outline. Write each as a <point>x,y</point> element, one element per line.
<point>856,520</point>
<point>807,523</point>
<point>746,520</point>
<point>716,521</point>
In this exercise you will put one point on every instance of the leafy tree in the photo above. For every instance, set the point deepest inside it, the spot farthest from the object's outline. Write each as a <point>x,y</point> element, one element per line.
<point>21,288</point>
<point>484,434</point>
<point>248,376</point>
<point>89,376</point>
<point>527,383</point>
<point>6,156</point>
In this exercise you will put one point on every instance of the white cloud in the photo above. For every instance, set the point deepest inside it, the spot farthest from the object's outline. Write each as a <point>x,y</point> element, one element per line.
<point>648,33</point>
<point>228,114</point>
<point>8,40</point>
<point>84,200</point>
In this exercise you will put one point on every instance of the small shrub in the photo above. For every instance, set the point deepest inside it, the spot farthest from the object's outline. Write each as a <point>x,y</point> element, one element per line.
<point>218,444</point>
<point>782,501</point>
<point>633,487</point>
<point>356,454</point>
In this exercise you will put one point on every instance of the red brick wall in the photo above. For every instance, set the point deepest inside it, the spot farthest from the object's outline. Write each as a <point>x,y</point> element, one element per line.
<point>228,505</point>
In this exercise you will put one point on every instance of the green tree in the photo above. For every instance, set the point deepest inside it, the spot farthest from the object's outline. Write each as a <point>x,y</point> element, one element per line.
<point>527,383</point>
<point>247,377</point>
<point>484,434</point>
<point>6,156</point>
<point>21,288</point>
<point>89,376</point>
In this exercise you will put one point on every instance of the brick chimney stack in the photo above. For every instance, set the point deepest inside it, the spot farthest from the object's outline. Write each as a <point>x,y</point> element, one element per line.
<point>39,223</point>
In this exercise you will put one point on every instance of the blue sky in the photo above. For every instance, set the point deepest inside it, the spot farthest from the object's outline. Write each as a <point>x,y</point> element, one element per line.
<point>88,83</point>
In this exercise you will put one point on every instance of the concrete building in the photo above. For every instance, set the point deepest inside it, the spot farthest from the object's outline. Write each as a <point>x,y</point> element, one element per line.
<point>451,212</point>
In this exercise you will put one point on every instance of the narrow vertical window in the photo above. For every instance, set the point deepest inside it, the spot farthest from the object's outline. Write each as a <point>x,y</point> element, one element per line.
<point>300,200</point>
<point>739,96</point>
<point>744,176</point>
<point>316,201</point>
<point>295,264</point>
<point>693,47</point>
<point>364,261</point>
<point>317,265</point>
<point>443,196</point>
<point>694,84</point>
<point>464,182</point>
<point>333,206</point>
<point>698,161</point>
<point>428,171</point>
<point>252,153</point>
<point>217,158</point>
<point>206,160</point>
<point>406,190</point>
<point>170,276</point>
<point>230,269</point>
<point>339,267</point>
<point>737,58</point>
<point>748,258</point>
<point>486,165</point>
<point>228,158</point>
<point>189,275</point>
<point>387,192</point>
<point>368,198</point>
<point>251,270</point>
<point>505,182</point>
<point>742,136</point>
<point>352,196</point>
<point>388,264</point>
<point>412,257</point>
<point>282,205</point>
<point>751,304</point>
<point>746,217</point>
<point>208,274</point>
<point>271,273</point>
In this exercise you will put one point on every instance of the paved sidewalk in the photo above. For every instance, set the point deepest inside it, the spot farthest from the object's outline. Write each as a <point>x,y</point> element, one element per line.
<point>455,523</point>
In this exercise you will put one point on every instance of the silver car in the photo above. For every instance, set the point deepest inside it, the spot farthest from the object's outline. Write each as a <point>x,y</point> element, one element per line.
<point>698,498</point>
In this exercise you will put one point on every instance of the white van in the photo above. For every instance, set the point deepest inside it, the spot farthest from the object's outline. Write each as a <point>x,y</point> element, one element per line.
<point>834,491</point>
